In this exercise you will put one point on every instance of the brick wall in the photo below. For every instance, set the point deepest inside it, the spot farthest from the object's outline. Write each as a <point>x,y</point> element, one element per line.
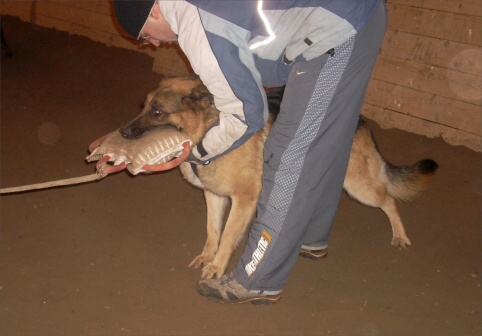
<point>427,79</point>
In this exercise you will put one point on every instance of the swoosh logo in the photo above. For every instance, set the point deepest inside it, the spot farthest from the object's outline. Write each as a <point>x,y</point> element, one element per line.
<point>300,72</point>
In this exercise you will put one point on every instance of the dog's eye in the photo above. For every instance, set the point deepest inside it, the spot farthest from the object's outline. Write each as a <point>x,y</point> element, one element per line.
<point>156,112</point>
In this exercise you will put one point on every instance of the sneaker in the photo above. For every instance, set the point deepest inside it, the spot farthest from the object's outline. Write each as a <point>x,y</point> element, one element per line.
<point>314,254</point>
<point>228,290</point>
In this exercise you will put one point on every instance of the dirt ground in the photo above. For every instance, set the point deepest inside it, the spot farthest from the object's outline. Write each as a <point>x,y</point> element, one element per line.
<point>109,257</point>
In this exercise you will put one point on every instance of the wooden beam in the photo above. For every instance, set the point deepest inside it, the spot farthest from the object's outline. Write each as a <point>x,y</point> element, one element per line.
<point>446,83</point>
<point>469,7</point>
<point>444,25</point>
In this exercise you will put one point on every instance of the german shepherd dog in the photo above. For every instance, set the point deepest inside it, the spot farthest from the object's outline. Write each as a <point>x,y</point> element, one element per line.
<point>186,105</point>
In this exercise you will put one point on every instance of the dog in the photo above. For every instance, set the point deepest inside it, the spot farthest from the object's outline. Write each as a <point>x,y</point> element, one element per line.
<point>185,104</point>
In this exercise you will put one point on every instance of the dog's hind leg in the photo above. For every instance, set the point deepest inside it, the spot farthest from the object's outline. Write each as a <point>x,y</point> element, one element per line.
<point>216,207</point>
<point>399,235</point>
<point>367,182</point>
<point>240,216</point>
<point>376,196</point>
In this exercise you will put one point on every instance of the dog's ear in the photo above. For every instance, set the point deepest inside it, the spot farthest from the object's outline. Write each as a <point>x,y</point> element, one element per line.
<point>193,77</point>
<point>201,96</point>
<point>163,78</point>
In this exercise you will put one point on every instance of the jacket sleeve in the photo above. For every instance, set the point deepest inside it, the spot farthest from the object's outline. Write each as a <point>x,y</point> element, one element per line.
<point>226,67</point>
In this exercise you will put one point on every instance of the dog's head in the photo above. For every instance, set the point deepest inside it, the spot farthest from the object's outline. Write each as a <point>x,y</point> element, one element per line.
<point>183,103</point>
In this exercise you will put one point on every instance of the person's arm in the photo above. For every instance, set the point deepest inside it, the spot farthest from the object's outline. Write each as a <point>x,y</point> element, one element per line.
<point>227,69</point>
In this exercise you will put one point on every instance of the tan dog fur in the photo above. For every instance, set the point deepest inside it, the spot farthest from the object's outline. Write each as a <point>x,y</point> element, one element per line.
<point>186,104</point>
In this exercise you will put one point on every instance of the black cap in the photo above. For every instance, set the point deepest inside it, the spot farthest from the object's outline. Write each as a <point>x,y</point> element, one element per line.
<point>132,14</point>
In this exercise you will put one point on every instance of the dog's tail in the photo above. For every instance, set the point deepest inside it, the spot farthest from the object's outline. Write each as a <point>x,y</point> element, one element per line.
<point>407,182</point>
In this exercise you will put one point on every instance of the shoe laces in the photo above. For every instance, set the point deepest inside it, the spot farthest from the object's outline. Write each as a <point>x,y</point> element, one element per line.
<point>227,280</point>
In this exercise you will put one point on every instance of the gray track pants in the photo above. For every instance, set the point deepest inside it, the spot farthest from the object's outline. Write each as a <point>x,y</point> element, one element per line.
<point>306,155</point>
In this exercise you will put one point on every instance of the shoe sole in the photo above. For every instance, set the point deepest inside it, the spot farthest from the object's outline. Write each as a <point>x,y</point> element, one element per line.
<point>262,300</point>
<point>258,300</point>
<point>313,255</point>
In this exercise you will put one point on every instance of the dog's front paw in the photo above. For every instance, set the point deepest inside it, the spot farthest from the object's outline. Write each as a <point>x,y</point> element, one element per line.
<point>401,242</point>
<point>200,260</point>
<point>212,271</point>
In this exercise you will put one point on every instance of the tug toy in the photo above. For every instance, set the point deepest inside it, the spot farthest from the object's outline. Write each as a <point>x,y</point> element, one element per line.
<point>150,153</point>
<point>157,150</point>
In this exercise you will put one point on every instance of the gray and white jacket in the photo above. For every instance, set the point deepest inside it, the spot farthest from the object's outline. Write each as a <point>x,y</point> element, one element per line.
<point>237,47</point>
